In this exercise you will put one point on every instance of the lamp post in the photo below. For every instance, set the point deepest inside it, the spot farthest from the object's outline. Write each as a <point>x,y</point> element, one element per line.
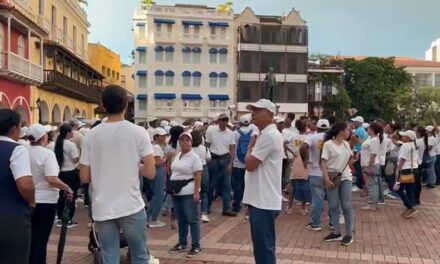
<point>39,110</point>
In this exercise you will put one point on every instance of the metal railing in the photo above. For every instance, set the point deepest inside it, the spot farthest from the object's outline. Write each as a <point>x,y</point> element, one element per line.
<point>192,110</point>
<point>192,37</point>
<point>217,37</point>
<point>164,35</point>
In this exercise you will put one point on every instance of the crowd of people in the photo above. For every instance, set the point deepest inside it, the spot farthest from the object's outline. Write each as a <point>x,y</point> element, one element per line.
<point>130,174</point>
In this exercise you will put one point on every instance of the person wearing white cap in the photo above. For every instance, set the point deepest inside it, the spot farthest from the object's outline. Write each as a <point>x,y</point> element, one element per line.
<point>361,135</point>
<point>152,124</point>
<point>407,166</point>
<point>45,171</point>
<point>433,142</point>
<point>23,139</point>
<point>164,123</point>
<point>262,191</point>
<point>77,136</point>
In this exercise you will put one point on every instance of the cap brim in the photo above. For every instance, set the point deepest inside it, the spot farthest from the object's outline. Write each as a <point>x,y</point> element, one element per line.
<point>252,106</point>
<point>323,127</point>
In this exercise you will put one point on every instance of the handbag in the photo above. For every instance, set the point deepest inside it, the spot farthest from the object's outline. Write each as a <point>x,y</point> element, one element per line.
<point>335,176</point>
<point>390,168</point>
<point>174,187</point>
<point>408,178</point>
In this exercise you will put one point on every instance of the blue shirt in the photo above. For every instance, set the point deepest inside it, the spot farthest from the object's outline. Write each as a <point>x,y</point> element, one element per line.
<point>362,134</point>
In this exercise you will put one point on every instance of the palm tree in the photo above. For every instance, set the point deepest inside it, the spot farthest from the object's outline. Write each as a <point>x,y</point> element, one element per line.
<point>147,3</point>
<point>226,7</point>
<point>83,2</point>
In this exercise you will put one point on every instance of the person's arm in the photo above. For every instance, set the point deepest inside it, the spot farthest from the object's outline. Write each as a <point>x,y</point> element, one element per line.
<point>231,157</point>
<point>148,169</point>
<point>84,168</point>
<point>26,188</point>
<point>304,153</point>
<point>197,185</point>
<point>73,152</point>
<point>51,171</point>
<point>84,173</point>
<point>324,170</point>
<point>21,169</point>
<point>251,161</point>
<point>399,168</point>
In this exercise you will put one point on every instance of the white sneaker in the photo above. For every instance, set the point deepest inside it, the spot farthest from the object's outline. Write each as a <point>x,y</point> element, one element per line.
<point>355,189</point>
<point>285,200</point>
<point>205,218</point>
<point>341,219</point>
<point>156,224</point>
<point>153,260</point>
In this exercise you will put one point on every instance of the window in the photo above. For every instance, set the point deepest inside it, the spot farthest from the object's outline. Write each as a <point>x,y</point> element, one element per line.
<point>437,80</point>
<point>217,103</point>
<point>196,81</point>
<point>158,55</point>
<point>169,28</point>
<point>142,57</point>
<point>186,29</point>
<point>186,81</point>
<point>65,28</point>
<point>113,74</point>
<point>54,16</point>
<point>158,27</point>
<point>212,30</point>
<point>213,58</point>
<point>21,50</point>
<point>142,81</point>
<point>169,81</point>
<point>223,82</point>
<point>191,104</point>
<point>196,29</point>
<point>222,31</point>
<point>41,7</point>
<point>223,58</point>
<point>74,38</point>
<point>169,56</point>
<point>117,76</point>
<point>213,82</point>
<point>164,103</point>
<point>158,80</point>
<point>103,70</point>
<point>142,104</point>
<point>142,33</point>
<point>196,57</point>
<point>108,72</point>
<point>186,57</point>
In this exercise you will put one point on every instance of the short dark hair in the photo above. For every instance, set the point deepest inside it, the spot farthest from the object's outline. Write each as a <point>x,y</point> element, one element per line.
<point>8,119</point>
<point>114,99</point>
<point>301,125</point>
<point>197,138</point>
<point>291,116</point>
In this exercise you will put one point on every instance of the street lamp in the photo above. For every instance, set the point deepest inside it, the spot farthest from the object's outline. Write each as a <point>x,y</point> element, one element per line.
<point>39,110</point>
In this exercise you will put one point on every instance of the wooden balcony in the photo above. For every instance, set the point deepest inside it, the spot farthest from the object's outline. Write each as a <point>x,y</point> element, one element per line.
<point>19,69</point>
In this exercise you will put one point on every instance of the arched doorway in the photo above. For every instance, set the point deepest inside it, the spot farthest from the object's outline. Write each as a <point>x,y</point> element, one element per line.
<point>76,112</point>
<point>23,115</point>
<point>44,112</point>
<point>1,105</point>
<point>84,114</point>
<point>67,114</point>
<point>56,115</point>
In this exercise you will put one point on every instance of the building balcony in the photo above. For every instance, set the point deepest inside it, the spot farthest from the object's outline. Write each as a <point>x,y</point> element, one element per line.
<point>215,111</point>
<point>185,11</point>
<point>165,111</point>
<point>218,40</point>
<point>192,112</point>
<point>188,38</point>
<point>164,37</point>
<point>319,98</point>
<point>44,23</point>
<point>17,68</point>
<point>56,34</point>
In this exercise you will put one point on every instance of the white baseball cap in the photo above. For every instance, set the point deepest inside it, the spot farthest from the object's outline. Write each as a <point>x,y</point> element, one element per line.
<point>245,119</point>
<point>198,124</point>
<point>186,134</point>
<point>429,128</point>
<point>37,131</point>
<point>23,131</point>
<point>167,129</point>
<point>366,125</point>
<point>358,119</point>
<point>279,119</point>
<point>263,104</point>
<point>323,124</point>
<point>173,123</point>
<point>164,123</point>
<point>49,128</point>
<point>153,118</point>
<point>408,133</point>
<point>159,132</point>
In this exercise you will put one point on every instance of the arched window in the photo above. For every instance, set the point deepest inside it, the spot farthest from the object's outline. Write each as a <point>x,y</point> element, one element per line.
<point>21,47</point>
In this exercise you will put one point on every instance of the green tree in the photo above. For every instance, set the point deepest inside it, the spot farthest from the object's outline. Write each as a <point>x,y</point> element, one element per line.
<point>375,86</point>
<point>338,104</point>
<point>147,3</point>
<point>421,105</point>
<point>225,7</point>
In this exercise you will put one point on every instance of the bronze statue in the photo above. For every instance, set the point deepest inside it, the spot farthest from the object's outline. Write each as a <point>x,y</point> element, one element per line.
<point>270,84</point>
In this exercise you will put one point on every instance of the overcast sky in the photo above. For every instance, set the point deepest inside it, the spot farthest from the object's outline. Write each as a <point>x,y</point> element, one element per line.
<point>346,27</point>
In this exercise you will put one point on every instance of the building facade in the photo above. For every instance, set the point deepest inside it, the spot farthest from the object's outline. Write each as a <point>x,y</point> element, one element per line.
<point>18,69</point>
<point>433,53</point>
<point>184,62</point>
<point>105,61</point>
<point>127,78</point>
<point>280,43</point>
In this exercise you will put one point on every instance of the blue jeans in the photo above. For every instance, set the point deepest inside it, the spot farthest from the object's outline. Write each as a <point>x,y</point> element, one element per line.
<point>205,189</point>
<point>218,172</point>
<point>263,234</point>
<point>158,186</point>
<point>187,215</point>
<point>437,169</point>
<point>372,181</point>
<point>340,196</point>
<point>408,192</point>
<point>317,190</point>
<point>134,229</point>
<point>237,180</point>
<point>432,178</point>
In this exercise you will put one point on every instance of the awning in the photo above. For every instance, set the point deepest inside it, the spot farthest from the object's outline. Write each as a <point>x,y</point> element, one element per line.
<point>186,73</point>
<point>192,23</point>
<point>164,96</point>
<point>141,49</point>
<point>213,75</point>
<point>140,24</point>
<point>196,50</point>
<point>163,21</point>
<point>213,51</point>
<point>186,49</point>
<point>141,97</point>
<point>169,49</point>
<point>223,51</point>
<point>218,97</point>
<point>218,24</point>
<point>223,75</point>
<point>158,48</point>
<point>141,73</point>
<point>191,97</point>
<point>196,74</point>
<point>158,73</point>
<point>169,73</point>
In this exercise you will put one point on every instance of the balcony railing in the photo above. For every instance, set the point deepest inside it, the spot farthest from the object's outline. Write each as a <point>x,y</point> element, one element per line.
<point>190,38</point>
<point>165,111</point>
<point>167,37</point>
<point>192,111</point>
<point>215,39</point>
<point>207,13</point>
<point>21,69</point>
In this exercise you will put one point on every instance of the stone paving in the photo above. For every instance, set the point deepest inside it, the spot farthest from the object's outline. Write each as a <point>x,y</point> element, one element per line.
<point>380,237</point>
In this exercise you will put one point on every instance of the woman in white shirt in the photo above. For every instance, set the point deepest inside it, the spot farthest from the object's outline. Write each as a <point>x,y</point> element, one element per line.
<point>45,171</point>
<point>205,156</point>
<point>370,163</point>
<point>424,161</point>
<point>336,157</point>
<point>432,146</point>
<point>187,172</point>
<point>407,164</point>
<point>67,156</point>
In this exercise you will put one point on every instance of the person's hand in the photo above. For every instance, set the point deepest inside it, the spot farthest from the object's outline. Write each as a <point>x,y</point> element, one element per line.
<point>369,170</point>
<point>69,194</point>
<point>229,168</point>
<point>252,142</point>
<point>329,183</point>
<point>196,197</point>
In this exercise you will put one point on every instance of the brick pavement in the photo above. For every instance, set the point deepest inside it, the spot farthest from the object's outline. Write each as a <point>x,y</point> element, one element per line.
<point>380,237</point>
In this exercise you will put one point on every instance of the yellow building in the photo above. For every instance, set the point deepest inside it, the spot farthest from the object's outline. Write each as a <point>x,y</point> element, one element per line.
<point>107,62</point>
<point>71,87</point>
<point>127,80</point>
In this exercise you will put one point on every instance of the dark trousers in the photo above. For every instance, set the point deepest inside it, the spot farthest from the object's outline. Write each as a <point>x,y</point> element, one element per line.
<point>358,172</point>
<point>15,239</point>
<point>187,218</point>
<point>263,234</point>
<point>237,182</point>
<point>86,194</point>
<point>42,221</point>
<point>418,185</point>
<point>437,169</point>
<point>218,173</point>
<point>406,193</point>
<point>71,178</point>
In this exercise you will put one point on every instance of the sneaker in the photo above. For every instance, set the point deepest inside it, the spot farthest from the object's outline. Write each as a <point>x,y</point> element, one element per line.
<point>289,211</point>
<point>355,189</point>
<point>164,213</point>
<point>205,218</point>
<point>193,252</point>
<point>304,211</point>
<point>333,237</point>
<point>313,228</point>
<point>72,224</point>
<point>285,200</point>
<point>156,224</point>
<point>347,240</point>
<point>58,223</point>
<point>331,226</point>
<point>410,213</point>
<point>153,260</point>
<point>381,203</point>
<point>177,249</point>
<point>391,196</point>
<point>229,213</point>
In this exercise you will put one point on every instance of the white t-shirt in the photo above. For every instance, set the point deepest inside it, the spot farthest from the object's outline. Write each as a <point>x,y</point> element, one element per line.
<point>337,158</point>
<point>295,142</point>
<point>315,143</point>
<point>288,133</point>
<point>385,147</point>
<point>150,131</point>
<point>290,130</point>
<point>371,146</point>
<point>203,153</point>
<point>437,147</point>
<point>245,129</point>
<point>113,150</point>
<point>219,140</point>
<point>421,147</point>
<point>158,152</point>
<point>405,153</point>
<point>43,164</point>
<point>70,153</point>
<point>263,185</point>
<point>77,138</point>
<point>51,146</point>
<point>432,141</point>
<point>24,142</point>
<point>183,168</point>
<point>19,160</point>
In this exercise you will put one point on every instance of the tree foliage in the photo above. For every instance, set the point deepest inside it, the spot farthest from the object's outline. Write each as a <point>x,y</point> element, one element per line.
<point>421,105</point>
<point>225,7</point>
<point>337,105</point>
<point>147,3</point>
<point>375,86</point>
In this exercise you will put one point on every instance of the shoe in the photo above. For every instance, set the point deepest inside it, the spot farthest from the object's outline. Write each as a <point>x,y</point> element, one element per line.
<point>156,224</point>
<point>229,213</point>
<point>410,213</point>
<point>369,208</point>
<point>205,218</point>
<point>331,226</point>
<point>304,212</point>
<point>333,237</point>
<point>430,186</point>
<point>381,203</point>
<point>355,189</point>
<point>177,249</point>
<point>193,252</point>
<point>341,219</point>
<point>289,211</point>
<point>313,228</point>
<point>72,224</point>
<point>391,196</point>
<point>153,260</point>
<point>164,213</point>
<point>58,223</point>
<point>347,240</point>
<point>418,203</point>
<point>285,200</point>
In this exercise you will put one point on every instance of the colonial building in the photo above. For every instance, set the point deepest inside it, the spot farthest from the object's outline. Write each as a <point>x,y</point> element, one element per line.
<point>184,61</point>
<point>276,42</point>
<point>107,62</point>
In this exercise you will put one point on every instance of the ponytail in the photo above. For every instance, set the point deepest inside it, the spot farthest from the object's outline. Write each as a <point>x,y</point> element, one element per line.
<point>59,144</point>
<point>334,131</point>
<point>378,130</point>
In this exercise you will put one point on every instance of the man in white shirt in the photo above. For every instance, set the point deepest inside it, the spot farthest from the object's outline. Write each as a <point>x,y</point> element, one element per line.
<point>152,124</point>
<point>111,162</point>
<point>77,136</point>
<point>221,142</point>
<point>262,191</point>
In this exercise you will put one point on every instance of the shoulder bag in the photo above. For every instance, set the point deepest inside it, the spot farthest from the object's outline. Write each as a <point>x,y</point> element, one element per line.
<point>335,176</point>
<point>174,187</point>
<point>410,177</point>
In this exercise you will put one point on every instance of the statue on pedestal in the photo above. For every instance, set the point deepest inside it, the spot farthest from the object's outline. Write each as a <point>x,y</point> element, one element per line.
<point>270,84</point>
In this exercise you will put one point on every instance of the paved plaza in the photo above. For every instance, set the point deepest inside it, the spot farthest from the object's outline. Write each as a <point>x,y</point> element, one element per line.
<point>381,237</point>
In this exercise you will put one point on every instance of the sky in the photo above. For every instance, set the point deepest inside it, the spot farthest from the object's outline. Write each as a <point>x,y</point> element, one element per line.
<point>346,27</point>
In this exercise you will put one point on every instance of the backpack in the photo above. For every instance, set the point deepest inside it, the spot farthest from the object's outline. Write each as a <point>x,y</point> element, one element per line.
<point>243,143</point>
